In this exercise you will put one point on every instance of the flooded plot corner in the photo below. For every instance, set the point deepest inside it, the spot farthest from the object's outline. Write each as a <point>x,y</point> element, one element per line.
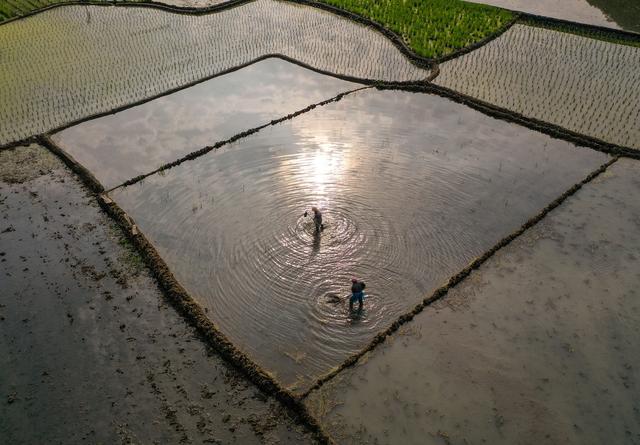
<point>539,345</point>
<point>412,188</point>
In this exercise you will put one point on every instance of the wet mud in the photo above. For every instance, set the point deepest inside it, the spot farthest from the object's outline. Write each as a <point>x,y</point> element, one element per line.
<point>140,139</point>
<point>581,84</point>
<point>90,350</point>
<point>535,346</point>
<point>230,226</point>
<point>71,63</point>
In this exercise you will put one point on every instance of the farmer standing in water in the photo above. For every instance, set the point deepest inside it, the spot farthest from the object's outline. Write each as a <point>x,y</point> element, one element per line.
<point>357,293</point>
<point>317,219</point>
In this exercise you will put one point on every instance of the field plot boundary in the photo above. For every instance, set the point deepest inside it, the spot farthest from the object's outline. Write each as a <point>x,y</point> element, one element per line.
<point>185,305</point>
<point>540,126</point>
<point>434,73</point>
<point>456,279</point>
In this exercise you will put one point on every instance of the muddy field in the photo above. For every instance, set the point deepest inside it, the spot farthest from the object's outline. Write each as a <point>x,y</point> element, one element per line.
<point>500,252</point>
<point>90,351</point>
<point>539,345</point>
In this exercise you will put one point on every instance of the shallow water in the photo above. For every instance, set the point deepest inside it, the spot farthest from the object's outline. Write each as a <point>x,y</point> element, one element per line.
<point>584,85</point>
<point>621,14</point>
<point>412,187</point>
<point>539,345</point>
<point>137,140</point>
<point>77,61</point>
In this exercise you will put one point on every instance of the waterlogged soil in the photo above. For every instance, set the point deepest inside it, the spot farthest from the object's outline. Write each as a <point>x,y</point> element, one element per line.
<point>25,164</point>
<point>619,14</point>
<point>585,85</point>
<point>412,188</point>
<point>89,350</point>
<point>73,62</point>
<point>138,140</point>
<point>539,345</point>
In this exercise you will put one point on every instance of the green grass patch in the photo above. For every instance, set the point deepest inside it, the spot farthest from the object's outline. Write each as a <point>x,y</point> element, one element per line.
<point>432,28</point>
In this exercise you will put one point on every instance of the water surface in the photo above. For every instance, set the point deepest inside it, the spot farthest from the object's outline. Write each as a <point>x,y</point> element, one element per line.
<point>539,345</point>
<point>120,146</point>
<point>412,187</point>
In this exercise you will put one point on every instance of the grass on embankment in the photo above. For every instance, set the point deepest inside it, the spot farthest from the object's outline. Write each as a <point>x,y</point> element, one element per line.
<point>432,28</point>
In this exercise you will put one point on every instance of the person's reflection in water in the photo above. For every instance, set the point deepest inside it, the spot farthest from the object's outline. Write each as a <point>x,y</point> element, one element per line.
<point>315,247</point>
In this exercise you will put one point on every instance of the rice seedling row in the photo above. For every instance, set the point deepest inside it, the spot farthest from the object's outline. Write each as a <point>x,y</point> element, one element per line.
<point>584,85</point>
<point>70,63</point>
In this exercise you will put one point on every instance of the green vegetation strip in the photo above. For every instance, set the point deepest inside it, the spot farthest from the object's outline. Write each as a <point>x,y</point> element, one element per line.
<point>591,32</point>
<point>432,28</point>
<point>456,279</point>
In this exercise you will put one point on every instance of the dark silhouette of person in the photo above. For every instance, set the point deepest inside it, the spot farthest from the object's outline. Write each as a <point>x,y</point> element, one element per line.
<point>357,293</point>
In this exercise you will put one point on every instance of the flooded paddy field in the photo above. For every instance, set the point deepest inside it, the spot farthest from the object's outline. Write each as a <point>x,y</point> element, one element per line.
<point>137,140</point>
<point>585,85</point>
<point>90,352</point>
<point>539,345</point>
<point>620,14</point>
<point>73,62</point>
<point>412,187</point>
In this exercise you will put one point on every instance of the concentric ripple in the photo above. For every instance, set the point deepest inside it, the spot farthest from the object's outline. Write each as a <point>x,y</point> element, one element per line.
<point>412,187</point>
